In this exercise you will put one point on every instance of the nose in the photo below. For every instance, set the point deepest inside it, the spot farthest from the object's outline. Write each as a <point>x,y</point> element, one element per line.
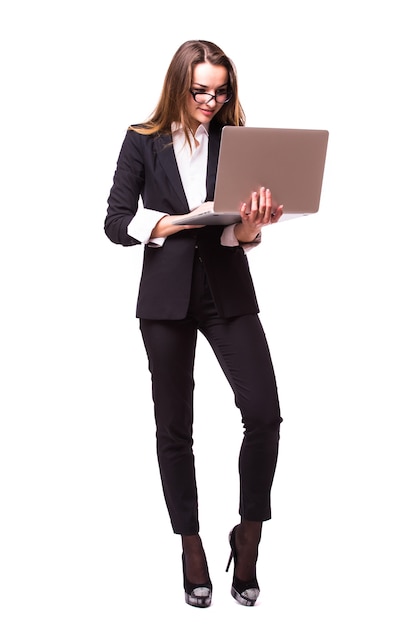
<point>211,102</point>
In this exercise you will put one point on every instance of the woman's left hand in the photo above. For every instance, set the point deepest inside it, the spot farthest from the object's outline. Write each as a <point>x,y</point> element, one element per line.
<point>258,213</point>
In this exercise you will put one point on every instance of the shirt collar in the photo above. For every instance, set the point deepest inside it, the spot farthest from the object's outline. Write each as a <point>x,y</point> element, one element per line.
<point>176,127</point>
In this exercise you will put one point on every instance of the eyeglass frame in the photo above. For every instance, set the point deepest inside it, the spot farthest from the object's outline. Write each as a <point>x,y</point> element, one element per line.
<point>229,96</point>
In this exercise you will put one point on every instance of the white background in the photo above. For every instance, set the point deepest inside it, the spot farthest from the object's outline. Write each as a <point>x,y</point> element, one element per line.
<point>85,538</point>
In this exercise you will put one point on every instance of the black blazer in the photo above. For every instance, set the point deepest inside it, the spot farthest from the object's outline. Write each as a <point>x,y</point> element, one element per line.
<point>147,167</point>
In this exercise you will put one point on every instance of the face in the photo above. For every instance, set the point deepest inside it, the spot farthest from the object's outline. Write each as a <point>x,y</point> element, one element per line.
<point>211,79</point>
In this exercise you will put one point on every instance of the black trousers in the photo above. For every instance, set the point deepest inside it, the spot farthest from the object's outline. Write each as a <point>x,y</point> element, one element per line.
<point>240,346</point>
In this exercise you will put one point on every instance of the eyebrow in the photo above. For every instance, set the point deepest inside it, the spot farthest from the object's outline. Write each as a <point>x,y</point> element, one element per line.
<point>205,86</point>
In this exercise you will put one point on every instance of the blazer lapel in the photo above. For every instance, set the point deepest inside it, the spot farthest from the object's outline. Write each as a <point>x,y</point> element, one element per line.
<point>165,154</point>
<point>213,157</point>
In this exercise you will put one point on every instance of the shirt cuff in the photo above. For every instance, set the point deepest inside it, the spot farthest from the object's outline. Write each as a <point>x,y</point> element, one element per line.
<point>143,224</point>
<point>230,240</point>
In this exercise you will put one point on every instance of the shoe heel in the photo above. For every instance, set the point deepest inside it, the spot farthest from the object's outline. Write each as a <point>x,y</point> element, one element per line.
<point>232,548</point>
<point>229,561</point>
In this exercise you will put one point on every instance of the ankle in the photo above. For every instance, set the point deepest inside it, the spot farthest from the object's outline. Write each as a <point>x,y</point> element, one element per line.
<point>249,533</point>
<point>248,536</point>
<point>191,543</point>
<point>194,559</point>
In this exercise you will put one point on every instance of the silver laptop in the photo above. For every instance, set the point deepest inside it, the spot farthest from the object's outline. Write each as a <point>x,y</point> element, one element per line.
<point>288,161</point>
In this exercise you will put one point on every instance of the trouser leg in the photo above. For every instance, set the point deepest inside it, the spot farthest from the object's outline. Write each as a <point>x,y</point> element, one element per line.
<point>170,347</point>
<point>242,350</point>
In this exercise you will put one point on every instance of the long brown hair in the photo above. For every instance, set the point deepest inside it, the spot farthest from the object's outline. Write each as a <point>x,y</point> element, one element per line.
<point>176,89</point>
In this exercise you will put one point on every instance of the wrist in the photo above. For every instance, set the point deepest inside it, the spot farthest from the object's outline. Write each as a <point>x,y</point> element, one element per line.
<point>247,235</point>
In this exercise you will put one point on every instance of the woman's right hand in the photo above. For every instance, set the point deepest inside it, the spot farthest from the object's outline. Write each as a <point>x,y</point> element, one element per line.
<point>165,227</point>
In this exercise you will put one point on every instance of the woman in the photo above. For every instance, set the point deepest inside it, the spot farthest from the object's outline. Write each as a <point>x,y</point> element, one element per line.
<point>196,278</point>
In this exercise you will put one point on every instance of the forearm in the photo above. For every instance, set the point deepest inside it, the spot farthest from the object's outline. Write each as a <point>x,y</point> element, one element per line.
<point>165,227</point>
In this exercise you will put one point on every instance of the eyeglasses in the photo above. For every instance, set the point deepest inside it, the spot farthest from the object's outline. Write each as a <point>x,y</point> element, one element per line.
<point>201,97</point>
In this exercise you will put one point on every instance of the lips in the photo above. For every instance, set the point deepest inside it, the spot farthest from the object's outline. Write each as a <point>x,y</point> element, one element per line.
<point>207,112</point>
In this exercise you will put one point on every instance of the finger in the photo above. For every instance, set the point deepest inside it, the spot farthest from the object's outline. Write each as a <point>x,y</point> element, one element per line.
<point>254,203</point>
<point>268,205</point>
<point>244,211</point>
<point>276,214</point>
<point>262,201</point>
<point>265,206</point>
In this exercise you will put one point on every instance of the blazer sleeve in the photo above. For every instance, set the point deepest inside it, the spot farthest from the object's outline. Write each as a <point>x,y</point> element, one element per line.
<point>124,195</point>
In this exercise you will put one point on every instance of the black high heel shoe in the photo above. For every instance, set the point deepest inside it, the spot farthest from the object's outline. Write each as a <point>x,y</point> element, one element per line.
<point>196,595</point>
<point>245,592</point>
